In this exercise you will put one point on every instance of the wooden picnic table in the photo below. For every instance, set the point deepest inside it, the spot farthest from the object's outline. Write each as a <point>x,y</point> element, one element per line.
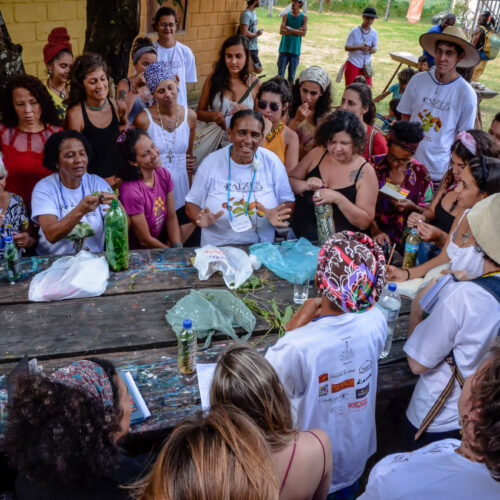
<point>127,326</point>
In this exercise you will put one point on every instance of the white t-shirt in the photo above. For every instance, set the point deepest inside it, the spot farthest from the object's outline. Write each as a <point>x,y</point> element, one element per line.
<point>210,189</point>
<point>356,37</point>
<point>181,60</point>
<point>433,472</point>
<point>329,368</point>
<point>465,319</point>
<point>50,197</point>
<point>444,110</point>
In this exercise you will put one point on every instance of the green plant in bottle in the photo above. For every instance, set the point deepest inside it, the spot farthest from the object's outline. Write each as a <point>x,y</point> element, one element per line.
<point>79,233</point>
<point>412,245</point>
<point>11,258</point>
<point>116,229</point>
<point>186,348</point>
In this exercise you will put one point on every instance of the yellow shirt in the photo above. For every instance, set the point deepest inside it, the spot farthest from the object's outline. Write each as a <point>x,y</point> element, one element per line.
<point>58,102</point>
<point>276,144</point>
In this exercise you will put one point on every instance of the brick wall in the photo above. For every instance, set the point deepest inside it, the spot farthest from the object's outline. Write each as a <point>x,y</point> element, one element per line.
<point>30,21</point>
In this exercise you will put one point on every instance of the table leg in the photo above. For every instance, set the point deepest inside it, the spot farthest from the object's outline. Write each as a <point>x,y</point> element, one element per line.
<point>392,77</point>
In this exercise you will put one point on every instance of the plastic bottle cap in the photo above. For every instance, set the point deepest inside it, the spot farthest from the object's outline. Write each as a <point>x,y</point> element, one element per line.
<point>392,287</point>
<point>187,324</point>
<point>114,203</point>
<point>8,239</point>
<point>413,230</point>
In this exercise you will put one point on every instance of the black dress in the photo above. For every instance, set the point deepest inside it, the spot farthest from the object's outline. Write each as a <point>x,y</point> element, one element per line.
<point>304,219</point>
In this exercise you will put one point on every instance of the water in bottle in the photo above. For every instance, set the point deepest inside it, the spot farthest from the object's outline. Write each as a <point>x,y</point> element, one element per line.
<point>186,348</point>
<point>11,258</point>
<point>116,230</point>
<point>390,304</point>
<point>412,245</point>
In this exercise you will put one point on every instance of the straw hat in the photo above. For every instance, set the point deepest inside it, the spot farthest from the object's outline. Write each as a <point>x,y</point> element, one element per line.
<point>452,34</point>
<point>483,221</point>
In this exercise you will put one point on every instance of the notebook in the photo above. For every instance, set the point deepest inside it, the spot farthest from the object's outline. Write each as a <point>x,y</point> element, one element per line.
<point>393,191</point>
<point>140,411</point>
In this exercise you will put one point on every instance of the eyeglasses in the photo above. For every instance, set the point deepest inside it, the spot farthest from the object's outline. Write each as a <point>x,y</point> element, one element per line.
<point>262,104</point>
<point>400,161</point>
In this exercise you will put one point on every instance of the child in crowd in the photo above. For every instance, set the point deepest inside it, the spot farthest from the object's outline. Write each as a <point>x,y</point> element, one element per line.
<point>423,64</point>
<point>359,79</point>
<point>393,116</point>
<point>397,89</point>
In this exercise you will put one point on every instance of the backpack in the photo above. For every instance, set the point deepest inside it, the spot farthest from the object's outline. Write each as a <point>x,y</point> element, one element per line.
<point>491,45</point>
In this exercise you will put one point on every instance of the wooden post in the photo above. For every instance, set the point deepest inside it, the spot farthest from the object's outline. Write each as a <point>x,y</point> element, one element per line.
<point>270,9</point>
<point>321,3</point>
<point>387,10</point>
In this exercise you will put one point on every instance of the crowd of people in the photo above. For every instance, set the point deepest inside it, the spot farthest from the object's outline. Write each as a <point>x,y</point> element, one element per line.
<point>252,162</point>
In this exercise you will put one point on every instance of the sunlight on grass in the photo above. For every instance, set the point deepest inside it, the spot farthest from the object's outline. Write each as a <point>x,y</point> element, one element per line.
<point>324,46</point>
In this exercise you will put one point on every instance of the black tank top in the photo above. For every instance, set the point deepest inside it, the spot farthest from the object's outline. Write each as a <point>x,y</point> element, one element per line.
<point>442,219</point>
<point>103,143</point>
<point>304,218</point>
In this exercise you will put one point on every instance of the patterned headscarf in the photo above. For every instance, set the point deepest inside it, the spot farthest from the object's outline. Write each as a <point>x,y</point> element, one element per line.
<point>88,377</point>
<point>317,75</point>
<point>158,72</point>
<point>351,271</point>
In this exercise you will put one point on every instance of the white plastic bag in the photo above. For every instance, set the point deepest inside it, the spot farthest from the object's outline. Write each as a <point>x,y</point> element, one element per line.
<point>82,275</point>
<point>234,264</point>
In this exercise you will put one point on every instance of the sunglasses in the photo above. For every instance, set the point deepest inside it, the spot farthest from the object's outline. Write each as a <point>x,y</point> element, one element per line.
<point>262,104</point>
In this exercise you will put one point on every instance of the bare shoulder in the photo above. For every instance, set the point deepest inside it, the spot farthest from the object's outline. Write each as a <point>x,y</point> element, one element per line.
<point>74,118</point>
<point>289,134</point>
<point>191,117</point>
<point>310,446</point>
<point>141,120</point>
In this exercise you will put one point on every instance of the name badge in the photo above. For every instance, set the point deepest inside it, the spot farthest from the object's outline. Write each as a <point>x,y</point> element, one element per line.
<point>241,223</point>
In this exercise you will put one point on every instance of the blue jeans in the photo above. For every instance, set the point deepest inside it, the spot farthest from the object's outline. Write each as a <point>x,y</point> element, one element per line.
<point>292,61</point>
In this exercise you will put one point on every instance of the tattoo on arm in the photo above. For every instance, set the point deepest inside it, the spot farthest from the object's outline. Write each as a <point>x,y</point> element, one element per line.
<point>354,173</point>
<point>122,95</point>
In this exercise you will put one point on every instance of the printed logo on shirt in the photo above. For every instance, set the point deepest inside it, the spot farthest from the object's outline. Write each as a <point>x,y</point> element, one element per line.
<point>436,103</point>
<point>238,207</point>
<point>358,405</point>
<point>367,365</point>
<point>342,385</point>
<point>323,378</point>
<point>245,187</point>
<point>323,390</point>
<point>341,373</point>
<point>429,121</point>
<point>347,354</point>
<point>362,380</point>
<point>361,393</point>
<point>399,459</point>
<point>158,206</point>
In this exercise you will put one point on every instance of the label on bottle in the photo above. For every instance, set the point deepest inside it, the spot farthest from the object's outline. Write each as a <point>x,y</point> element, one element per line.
<point>411,248</point>
<point>186,355</point>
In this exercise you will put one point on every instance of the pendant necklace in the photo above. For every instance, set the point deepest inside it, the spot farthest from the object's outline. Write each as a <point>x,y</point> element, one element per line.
<point>62,95</point>
<point>170,153</point>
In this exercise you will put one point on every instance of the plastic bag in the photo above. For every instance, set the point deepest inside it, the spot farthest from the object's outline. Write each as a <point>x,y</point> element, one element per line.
<point>234,264</point>
<point>211,311</point>
<point>81,275</point>
<point>291,258</point>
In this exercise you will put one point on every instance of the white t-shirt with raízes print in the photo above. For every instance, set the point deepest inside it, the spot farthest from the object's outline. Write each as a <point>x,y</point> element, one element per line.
<point>329,369</point>
<point>181,60</point>
<point>443,110</point>
<point>210,189</point>
<point>435,471</point>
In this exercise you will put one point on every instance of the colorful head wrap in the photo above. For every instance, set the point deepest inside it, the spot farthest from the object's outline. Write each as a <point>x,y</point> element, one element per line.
<point>317,75</point>
<point>158,72</point>
<point>58,40</point>
<point>87,377</point>
<point>468,141</point>
<point>411,147</point>
<point>140,52</point>
<point>351,271</point>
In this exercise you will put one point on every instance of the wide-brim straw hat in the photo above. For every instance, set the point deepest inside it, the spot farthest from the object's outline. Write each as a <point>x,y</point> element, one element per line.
<point>483,221</point>
<point>452,34</point>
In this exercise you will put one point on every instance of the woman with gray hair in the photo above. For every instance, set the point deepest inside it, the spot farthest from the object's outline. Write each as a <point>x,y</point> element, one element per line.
<point>13,215</point>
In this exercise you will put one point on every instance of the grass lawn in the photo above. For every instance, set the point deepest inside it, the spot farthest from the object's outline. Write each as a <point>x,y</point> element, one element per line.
<point>324,46</point>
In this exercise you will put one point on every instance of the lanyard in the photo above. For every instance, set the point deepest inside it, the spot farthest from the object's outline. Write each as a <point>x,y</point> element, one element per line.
<point>62,194</point>
<point>229,186</point>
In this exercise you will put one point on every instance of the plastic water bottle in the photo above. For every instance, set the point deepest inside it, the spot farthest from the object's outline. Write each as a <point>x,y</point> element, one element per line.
<point>412,245</point>
<point>324,221</point>
<point>186,348</point>
<point>116,229</point>
<point>11,258</point>
<point>390,304</point>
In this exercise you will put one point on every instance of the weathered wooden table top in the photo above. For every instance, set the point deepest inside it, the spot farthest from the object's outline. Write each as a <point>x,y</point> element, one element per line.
<point>127,326</point>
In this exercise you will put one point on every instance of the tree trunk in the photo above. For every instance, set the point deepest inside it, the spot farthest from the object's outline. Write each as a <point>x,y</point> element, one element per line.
<point>387,10</point>
<point>321,3</point>
<point>112,26</point>
<point>270,9</point>
<point>11,62</point>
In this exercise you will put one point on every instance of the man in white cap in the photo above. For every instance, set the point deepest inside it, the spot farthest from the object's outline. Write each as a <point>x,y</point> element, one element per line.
<point>453,340</point>
<point>440,99</point>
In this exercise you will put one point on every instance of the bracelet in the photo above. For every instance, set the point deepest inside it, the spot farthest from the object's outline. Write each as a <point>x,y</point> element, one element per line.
<point>408,273</point>
<point>177,244</point>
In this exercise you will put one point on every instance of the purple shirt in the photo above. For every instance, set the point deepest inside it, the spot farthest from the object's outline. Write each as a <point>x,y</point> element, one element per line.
<point>137,198</point>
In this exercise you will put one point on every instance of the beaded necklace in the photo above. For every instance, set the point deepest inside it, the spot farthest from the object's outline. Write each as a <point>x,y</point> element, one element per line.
<point>170,147</point>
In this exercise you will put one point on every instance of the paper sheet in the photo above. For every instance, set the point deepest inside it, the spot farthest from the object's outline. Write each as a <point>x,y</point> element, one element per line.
<point>205,373</point>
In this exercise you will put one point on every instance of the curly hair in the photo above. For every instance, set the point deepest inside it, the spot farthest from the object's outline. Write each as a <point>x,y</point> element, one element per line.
<point>38,90</point>
<point>365,95</point>
<point>342,121</point>
<point>486,173</point>
<point>407,131</point>
<point>84,65</point>
<point>279,86</point>
<point>126,148</point>
<point>58,435</point>
<point>53,145</point>
<point>220,79</point>
<point>486,398</point>
<point>244,378</point>
<point>219,455</point>
<point>323,104</point>
<point>485,145</point>
<point>405,75</point>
